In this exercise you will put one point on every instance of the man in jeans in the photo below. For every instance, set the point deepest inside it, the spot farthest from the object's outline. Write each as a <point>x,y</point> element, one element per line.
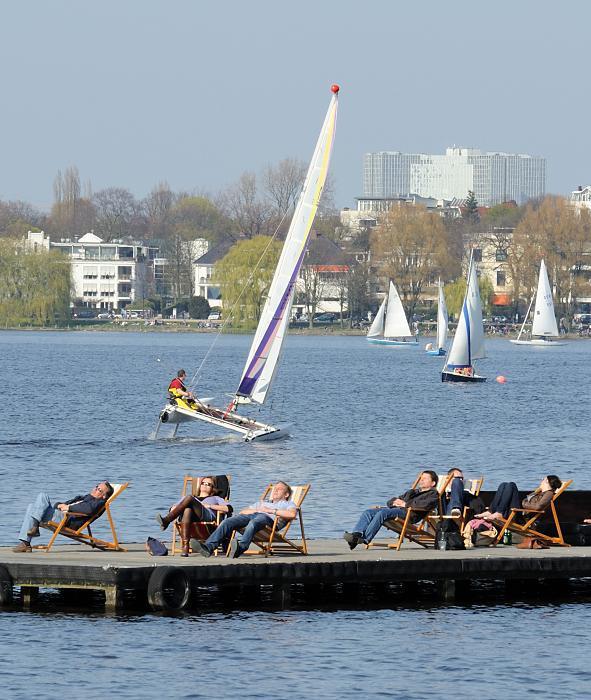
<point>250,521</point>
<point>41,510</point>
<point>423,498</point>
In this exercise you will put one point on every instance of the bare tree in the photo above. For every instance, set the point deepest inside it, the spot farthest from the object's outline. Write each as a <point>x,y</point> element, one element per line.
<point>312,292</point>
<point>116,209</point>
<point>71,214</point>
<point>251,215</point>
<point>157,206</point>
<point>283,184</point>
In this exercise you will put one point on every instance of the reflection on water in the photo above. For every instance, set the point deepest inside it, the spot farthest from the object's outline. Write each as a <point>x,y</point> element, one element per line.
<point>363,421</point>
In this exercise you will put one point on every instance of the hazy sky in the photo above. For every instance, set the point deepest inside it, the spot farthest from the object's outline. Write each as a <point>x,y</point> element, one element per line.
<point>134,92</point>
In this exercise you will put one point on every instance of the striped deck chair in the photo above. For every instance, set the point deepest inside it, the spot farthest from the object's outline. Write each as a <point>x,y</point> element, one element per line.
<point>84,533</point>
<point>531,518</point>
<point>273,539</point>
<point>415,525</point>
<point>201,530</point>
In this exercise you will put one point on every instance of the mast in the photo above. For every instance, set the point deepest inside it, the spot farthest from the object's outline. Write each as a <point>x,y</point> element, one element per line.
<point>261,363</point>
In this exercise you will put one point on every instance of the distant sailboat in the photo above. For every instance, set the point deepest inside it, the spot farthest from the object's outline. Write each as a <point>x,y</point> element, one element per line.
<point>544,326</point>
<point>265,349</point>
<point>390,326</point>
<point>442,321</point>
<point>468,342</point>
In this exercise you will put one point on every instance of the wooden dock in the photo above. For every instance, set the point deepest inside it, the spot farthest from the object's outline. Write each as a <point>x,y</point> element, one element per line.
<point>169,583</point>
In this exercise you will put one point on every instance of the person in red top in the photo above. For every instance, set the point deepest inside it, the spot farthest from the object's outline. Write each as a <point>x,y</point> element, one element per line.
<point>178,389</point>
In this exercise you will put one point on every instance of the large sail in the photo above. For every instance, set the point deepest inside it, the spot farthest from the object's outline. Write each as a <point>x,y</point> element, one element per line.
<point>377,327</point>
<point>544,317</point>
<point>265,349</point>
<point>468,342</point>
<point>396,325</point>
<point>442,320</point>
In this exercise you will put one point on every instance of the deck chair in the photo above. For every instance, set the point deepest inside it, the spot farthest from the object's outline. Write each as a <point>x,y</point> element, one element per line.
<point>415,526</point>
<point>473,486</point>
<point>84,533</point>
<point>273,539</point>
<point>200,530</point>
<point>531,517</point>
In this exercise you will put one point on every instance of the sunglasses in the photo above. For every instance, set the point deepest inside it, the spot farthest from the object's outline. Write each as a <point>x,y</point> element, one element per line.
<point>206,483</point>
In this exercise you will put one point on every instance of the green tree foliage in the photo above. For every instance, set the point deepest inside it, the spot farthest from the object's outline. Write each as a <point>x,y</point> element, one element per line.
<point>472,214</point>
<point>34,286</point>
<point>456,291</point>
<point>244,276</point>
<point>199,307</point>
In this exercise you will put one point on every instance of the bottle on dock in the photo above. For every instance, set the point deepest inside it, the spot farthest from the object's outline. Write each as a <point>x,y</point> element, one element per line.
<point>507,537</point>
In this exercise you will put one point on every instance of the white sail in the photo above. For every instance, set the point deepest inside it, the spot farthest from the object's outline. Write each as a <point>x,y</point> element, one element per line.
<point>468,342</point>
<point>377,327</point>
<point>265,349</point>
<point>396,325</point>
<point>442,320</point>
<point>544,318</point>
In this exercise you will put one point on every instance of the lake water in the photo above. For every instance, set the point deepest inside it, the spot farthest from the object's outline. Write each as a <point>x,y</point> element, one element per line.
<point>82,406</point>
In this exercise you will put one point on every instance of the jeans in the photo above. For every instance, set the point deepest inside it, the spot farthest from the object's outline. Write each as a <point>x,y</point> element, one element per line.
<point>251,524</point>
<point>506,497</point>
<point>458,498</point>
<point>371,521</point>
<point>40,510</point>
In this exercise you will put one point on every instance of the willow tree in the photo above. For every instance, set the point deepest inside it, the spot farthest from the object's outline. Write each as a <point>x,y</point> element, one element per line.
<point>244,276</point>
<point>456,291</point>
<point>412,247</point>
<point>34,286</point>
<point>560,234</point>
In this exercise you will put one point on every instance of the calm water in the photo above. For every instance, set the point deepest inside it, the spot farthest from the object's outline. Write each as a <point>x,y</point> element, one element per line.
<point>79,407</point>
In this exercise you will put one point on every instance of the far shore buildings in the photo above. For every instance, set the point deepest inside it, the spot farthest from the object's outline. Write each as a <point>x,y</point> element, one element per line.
<point>493,177</point>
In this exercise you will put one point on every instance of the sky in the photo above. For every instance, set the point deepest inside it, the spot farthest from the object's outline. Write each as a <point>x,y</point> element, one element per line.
<point>194,93</point>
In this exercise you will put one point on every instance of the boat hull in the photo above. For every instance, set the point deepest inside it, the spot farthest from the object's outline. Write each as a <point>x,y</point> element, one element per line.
<point>250,430</point>
<point>387,341</point>
<point>539,342</point>
<point>465,378</point>
<point>436,353</point>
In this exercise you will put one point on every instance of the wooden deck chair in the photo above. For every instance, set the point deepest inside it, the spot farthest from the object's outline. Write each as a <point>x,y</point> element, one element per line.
<point>200,530</point>
<point>61,527</point>
<point>273,539</point>
<point>531,517</point>
<point>419,531</point>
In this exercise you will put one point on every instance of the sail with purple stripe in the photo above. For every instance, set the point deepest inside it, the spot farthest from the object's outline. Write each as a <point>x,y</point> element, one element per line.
<point>266,347</point>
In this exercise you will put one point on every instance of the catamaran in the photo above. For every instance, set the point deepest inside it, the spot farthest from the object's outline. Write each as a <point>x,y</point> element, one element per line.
<point>442,321</point>
<point>390,326</point>
<point>544,324</point>
<point>468,342</point>
<point>264,354</point>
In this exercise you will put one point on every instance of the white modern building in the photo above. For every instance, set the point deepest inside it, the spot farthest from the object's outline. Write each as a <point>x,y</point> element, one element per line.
<point>581,197</point>
<point>109,276</point>
<point>493,177</point>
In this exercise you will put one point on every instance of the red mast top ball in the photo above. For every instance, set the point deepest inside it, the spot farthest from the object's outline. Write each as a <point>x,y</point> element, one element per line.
<point>335,88</point>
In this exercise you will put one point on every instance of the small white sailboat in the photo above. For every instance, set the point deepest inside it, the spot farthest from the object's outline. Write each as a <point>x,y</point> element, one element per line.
<point>468,342</point>
<point>390,326</point>
<point>544,327</point>
<point>442,321</point>
<point>265,349</point>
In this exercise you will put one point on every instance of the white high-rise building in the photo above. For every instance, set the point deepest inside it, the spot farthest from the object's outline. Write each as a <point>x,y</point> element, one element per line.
<point>493,177</point>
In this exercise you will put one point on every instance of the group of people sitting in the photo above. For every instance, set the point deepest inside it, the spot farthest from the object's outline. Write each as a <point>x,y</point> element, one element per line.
<point>424,498</point>
<point>202,507</point>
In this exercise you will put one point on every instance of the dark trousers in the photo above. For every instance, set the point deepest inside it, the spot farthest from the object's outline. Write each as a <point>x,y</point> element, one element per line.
<point>506,497</point>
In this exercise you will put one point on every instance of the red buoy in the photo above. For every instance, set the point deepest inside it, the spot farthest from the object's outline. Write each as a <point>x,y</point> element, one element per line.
<point>335,88</point>
<point>501,379</point>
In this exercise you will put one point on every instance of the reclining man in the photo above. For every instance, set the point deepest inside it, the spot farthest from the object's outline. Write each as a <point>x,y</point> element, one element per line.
<point>423,498</point>
<point>250,520</point>
<point>42,510</point>
<point>456,498</point>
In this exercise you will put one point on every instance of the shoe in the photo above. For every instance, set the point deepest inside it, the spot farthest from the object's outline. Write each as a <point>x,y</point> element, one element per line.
<point>353,538</point>
<point>200,548</point>
<point>456,513</point>
<point>160,520</point>
<point>235,549</point>
<point>22,547</point>
<point>34,531</point>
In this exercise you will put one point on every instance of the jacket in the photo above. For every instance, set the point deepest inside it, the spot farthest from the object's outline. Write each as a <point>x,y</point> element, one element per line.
<point>538,500</point>
<point>416,499</point>
<point>88,505</point>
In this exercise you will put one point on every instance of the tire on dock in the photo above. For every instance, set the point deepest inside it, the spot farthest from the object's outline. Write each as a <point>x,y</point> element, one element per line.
<point>5,586</point>
<point>168,588</point>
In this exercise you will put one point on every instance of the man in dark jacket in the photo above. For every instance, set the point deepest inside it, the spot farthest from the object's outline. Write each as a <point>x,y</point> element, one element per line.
<point>423,498</point>
<point>42,510</point>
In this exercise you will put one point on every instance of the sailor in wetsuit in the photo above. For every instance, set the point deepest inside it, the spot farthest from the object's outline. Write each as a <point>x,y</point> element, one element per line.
<point>178,390</point>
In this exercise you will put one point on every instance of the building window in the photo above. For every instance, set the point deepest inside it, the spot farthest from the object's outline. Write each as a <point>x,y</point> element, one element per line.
<point>501,255</point>
<point>477,255</point>
<point>501,278</point>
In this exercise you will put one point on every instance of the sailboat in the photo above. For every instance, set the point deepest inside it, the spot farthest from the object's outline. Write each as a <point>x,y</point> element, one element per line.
<point>390,326</point>
<point>468,342</point>
<point>261,363</point>
<point>544,326</point>
<point>442,321</point>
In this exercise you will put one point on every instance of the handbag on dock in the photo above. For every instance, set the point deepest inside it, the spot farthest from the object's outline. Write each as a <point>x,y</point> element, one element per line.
<point>156,548</point>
